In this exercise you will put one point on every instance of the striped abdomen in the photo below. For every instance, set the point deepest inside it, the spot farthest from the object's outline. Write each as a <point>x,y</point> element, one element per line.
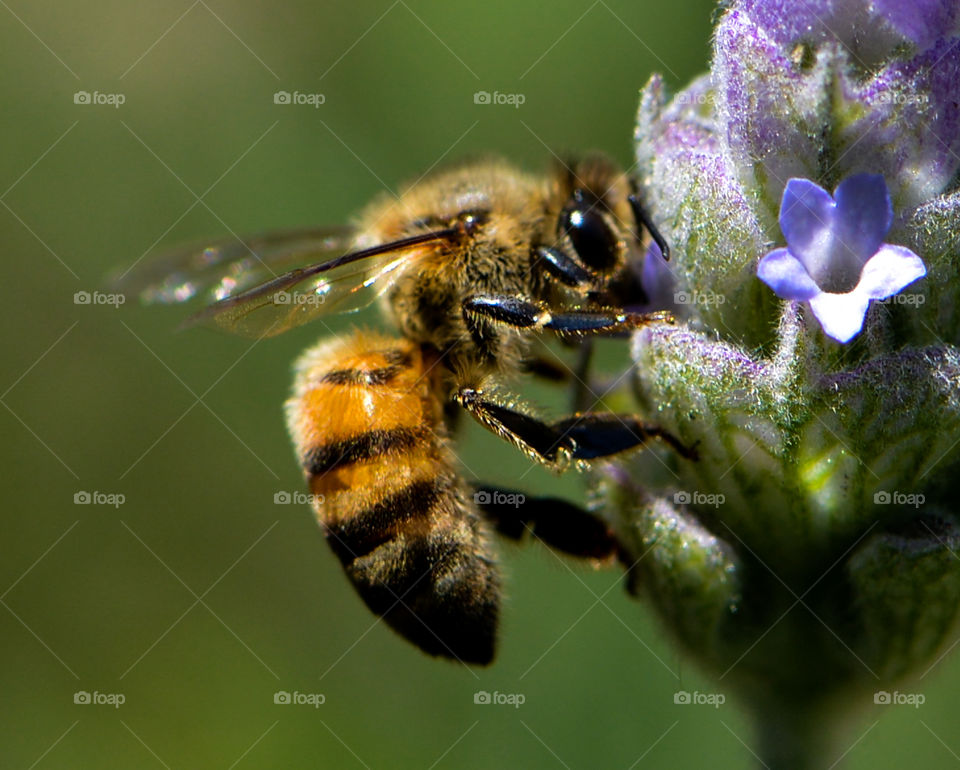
<point>368,430</point>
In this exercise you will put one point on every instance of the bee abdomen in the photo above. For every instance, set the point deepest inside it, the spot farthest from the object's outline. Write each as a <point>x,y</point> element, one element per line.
<point>360,533</point>
<point>387,493</point>
<point>367,446</point>
<point>439,590</point>
<point>396,362</point>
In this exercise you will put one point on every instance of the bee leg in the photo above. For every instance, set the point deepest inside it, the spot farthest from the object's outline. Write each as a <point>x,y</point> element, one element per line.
<point>524,314</point>
<point>601,434</point>
<point>581,376</point>
<point>576,377</point>
<point>534,437</point>
<point>564,268</point>
<point>643,218</point>
<point>559,523</point>
<point>546,369</point>
<point>580,437</point>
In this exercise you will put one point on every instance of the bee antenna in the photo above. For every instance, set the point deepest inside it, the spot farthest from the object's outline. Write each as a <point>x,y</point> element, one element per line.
<point>640,214</point>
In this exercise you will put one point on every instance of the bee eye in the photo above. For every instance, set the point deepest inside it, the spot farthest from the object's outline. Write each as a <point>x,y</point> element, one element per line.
<point>592,239</point>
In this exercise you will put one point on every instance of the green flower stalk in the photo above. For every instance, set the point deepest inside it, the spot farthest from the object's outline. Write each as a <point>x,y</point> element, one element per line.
<point>808,186</point>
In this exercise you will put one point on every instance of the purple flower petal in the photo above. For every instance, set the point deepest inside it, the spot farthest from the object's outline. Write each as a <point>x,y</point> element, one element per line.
<point>657,279</point>
<point>889,271</point>
<point>870,29</point>
<point>834,238</point>
<point>787,276</point>
<point>761,99</point>
<point>830,241</point>
<point>864,213</point>
<point>806,219</point>
<point>840,315</point>
<point>886,273</point>
<point>921,21</point>
<point>909,125</point>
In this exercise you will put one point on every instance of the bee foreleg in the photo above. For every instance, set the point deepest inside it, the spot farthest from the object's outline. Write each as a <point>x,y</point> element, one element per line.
<point>506,309</point>
<point>562,267</point>
<point>558,523</point>
<point>523,314</point>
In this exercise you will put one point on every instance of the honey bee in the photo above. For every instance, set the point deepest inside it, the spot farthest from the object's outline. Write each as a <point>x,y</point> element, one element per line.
<point>471,265</point>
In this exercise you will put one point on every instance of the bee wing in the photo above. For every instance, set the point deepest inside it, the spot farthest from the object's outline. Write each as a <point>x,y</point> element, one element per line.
<point>214,270</point>
<point>346,282</point>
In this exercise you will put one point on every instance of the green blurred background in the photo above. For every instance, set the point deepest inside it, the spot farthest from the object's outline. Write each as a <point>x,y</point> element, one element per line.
<point>199,598</point>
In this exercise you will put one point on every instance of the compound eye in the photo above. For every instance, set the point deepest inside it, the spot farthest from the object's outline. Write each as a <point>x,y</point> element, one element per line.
<point>592,239</point>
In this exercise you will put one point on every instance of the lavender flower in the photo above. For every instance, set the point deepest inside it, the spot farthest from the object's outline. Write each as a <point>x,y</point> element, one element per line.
<point>835,258</point>
<point>806,557</point>
<point>656,278</point>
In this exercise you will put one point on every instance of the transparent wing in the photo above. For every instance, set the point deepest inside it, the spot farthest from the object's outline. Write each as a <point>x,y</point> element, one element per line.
<point>210,271</point>
<point>346,282</point>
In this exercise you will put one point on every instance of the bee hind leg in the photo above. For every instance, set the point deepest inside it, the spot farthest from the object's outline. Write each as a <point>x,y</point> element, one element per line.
<point>558,523</point>
<point>601,434</point>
